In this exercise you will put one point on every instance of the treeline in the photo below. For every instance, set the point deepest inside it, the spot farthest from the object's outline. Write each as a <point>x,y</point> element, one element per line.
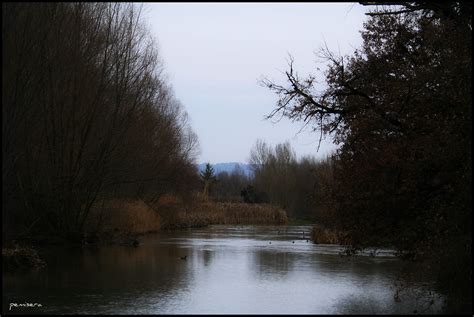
<point>301,187</point>
<point>87,116</point>
<point>297,185</point>
<point>228,186</point>
<point>400,108</point>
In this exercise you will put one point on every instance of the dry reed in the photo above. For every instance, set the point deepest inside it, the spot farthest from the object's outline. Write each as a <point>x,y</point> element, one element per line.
<point>136,217</point>
<point>207,213</point>
<point>328,236</point>
<point>129,217</point>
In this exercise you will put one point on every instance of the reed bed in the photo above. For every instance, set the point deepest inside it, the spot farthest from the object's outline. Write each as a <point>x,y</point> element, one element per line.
<point>122,216</point>
<point>328,236</point>
<point>207,213</point>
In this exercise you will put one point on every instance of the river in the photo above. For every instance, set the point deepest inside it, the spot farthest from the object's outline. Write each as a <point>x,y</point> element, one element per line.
<point>226,270</point>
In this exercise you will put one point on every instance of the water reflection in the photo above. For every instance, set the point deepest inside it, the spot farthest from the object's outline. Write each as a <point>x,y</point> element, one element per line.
<point>228,269</point>
<point>270,264</point>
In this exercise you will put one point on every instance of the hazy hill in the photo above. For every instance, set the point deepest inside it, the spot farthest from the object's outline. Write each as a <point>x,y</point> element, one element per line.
<point>228,167</point>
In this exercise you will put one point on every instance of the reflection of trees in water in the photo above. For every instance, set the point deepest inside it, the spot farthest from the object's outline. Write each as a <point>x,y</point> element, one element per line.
<point>412,301</point>
<point>360,304</point>
<point>271,263</point>
<point>421,299</point>
<point>415,283</point>
<point>409,291</point>
<point>362,268</point>
<point>119,266</point>
<point>152,278</point>
<point>88,279</point>
<point>206,256</point>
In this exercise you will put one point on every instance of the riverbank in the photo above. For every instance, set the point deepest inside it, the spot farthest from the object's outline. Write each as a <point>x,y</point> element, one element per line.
<point>122,222</point>
<point>321,235</point>
<point>215,213</point>
<point>16,258</point>
<point>119,219</point>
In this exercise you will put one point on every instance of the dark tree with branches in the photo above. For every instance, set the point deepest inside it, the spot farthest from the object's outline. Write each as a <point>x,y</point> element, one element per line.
<point>400,109</point>
<point>87,115</point>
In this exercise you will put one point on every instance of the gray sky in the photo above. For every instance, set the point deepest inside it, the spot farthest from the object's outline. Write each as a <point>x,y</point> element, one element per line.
<point>216,53</point>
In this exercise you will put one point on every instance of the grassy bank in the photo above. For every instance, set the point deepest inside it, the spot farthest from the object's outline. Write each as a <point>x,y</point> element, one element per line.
<point>299,222</point>
<point>208,213</point>
<point>200,212</point>
<point>123,216</point>
<point>120,222</point>
<point>21,258</point>
<point>124,220</point>
<point>328,236</point>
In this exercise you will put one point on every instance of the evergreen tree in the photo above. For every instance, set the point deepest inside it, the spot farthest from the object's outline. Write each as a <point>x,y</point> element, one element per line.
<point>208,177</point>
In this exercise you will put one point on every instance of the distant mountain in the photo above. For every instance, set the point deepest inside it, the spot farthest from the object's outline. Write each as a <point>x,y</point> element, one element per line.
<point>228,167</point>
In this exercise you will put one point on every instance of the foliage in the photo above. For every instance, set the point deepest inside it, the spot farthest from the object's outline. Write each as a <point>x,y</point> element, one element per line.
<point>229,186</point>
<point>400,109</point>
<point>87,114</point>
<point>298,186</point>
<point>251,196</point>
<point>208,173</point>
<point>208,178</point>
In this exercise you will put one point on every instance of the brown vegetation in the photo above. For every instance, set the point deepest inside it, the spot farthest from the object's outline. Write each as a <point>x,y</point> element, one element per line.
<point>200,212</point>
<point>88,116</point>
<point>329,236</point>
<point>17,258</point>
<point>298,185</point>
<point>122,216</point>
<point>114,219</point>
<point>207,213</point>
<point>400,109</point>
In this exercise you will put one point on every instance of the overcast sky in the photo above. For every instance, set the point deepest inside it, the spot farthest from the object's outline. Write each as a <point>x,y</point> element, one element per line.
<point>215,54</point>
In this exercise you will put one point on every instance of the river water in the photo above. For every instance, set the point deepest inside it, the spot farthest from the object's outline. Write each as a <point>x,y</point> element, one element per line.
<point>227,270</point>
